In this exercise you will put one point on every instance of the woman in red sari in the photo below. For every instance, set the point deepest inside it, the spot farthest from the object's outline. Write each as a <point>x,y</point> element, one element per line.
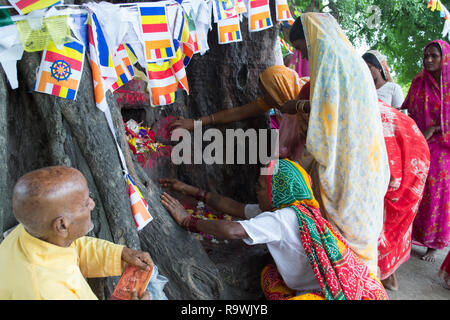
<point>428,103</point>
<point>409,162</point>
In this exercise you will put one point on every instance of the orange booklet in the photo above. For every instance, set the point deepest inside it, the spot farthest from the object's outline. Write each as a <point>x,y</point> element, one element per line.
<point>132,278</point>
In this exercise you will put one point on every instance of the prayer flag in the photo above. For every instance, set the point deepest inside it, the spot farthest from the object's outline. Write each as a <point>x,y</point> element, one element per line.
<point>162,83</point>
<point>188,52</point>
<point>5,18</point>
<point>179,70</point>
<point>286,45</point>
<point>131,53</point>
<point>123,66</point>
<point>53,28</point>
<point>165,77</point>
<point>259,15</point>
<point>229,30</point>
<point>155,32</point>
<point>193,32</point>
<point>26,6</point>
<point>105,60</point>
<point>240,7</point>
<point>224,9</point>
<point>184,32</point>
<point>282,11</point>
<point>60,70</point>
<point>99,89</point>
<point>185,39</point>
<point>139,207</point>
<point>433,6</point>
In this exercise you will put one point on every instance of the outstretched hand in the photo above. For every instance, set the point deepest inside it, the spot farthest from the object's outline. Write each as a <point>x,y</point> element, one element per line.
<point>174,206</point>
<point>174,185</point>
<point>182,123</point>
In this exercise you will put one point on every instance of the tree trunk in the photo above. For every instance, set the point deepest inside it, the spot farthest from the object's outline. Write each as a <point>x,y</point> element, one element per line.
<point>38,130</point>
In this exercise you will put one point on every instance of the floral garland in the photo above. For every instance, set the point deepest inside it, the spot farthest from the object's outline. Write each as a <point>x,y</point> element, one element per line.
<point>141,139</point>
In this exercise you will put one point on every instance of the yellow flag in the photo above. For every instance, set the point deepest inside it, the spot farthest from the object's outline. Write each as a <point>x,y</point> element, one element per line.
<point>433,6</point>
<point>439,7</point>
<point>54,29</point>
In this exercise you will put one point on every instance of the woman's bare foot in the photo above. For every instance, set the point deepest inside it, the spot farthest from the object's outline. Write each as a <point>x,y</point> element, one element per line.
<point>390,283</point>
<point>429,255</point>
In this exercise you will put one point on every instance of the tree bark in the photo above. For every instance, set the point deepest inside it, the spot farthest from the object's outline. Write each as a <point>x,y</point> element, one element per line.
<point>38,130</point>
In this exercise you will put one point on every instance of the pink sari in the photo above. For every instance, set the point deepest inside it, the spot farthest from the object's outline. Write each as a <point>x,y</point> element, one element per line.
<point>301,66</point>
<point>428,104</point>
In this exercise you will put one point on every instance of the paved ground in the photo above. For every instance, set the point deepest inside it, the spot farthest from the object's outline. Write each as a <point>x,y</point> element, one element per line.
<point>418,279</point>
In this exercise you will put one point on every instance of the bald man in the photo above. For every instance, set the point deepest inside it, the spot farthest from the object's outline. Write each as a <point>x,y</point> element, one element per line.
<point>48,256</point>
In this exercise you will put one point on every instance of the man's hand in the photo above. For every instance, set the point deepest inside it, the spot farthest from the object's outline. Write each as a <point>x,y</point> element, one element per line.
<point>174,207</point>
<point>174,185</point>
<point>145,296</point>
<point>182,123</point>
<point>137,258</point>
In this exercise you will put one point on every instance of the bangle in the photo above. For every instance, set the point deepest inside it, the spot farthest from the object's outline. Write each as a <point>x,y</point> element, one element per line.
<point>303,106</point>
<point>201,195</point>
<point>296,105</point>
<point>190,224</point>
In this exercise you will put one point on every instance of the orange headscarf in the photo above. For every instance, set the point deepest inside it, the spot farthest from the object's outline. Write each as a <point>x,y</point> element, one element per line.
<point>282,83</point>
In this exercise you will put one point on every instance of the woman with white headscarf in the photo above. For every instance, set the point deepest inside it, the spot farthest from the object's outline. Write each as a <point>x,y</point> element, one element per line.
<point>388,91</point>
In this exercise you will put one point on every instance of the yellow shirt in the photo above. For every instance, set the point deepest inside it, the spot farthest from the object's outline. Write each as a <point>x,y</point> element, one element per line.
<point>34,269</point>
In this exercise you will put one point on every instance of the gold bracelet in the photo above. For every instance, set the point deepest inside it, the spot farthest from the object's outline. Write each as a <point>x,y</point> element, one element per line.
<point>303,106</point>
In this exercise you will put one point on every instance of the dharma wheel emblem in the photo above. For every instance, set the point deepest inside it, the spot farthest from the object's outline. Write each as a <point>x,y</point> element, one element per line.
<point>60,70</point>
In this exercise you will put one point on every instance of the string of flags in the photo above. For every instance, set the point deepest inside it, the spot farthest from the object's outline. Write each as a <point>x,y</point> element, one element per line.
<point>444,13</point>
<point>161,37</point>
<point>158,38</point>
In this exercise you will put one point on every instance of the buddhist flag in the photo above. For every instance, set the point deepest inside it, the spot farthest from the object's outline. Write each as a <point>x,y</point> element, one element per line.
<point>188,52</point>
<point>139,207</point>
<point>240,7</point>
<point>193,33</point>
<point>123,66</point>
<point>105,57</point>
<point>165,77</point>
<point>259,15</point>
<point>224,9</point>
<point>26,6</point>
<point>177,64</point>
<point>282,11</point>
<point>99,88</point>
<point>186,38</point>
<point>131,53</point>
<point>155,32</point>
<point>229,30</point>
<point>162,83</point>
<point>60,70</point>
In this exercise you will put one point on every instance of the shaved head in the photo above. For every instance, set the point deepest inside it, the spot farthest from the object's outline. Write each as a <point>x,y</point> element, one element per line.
<point>43,195</point>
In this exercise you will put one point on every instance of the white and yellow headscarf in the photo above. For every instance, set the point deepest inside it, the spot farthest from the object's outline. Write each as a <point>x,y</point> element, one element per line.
<point>345,136</point>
